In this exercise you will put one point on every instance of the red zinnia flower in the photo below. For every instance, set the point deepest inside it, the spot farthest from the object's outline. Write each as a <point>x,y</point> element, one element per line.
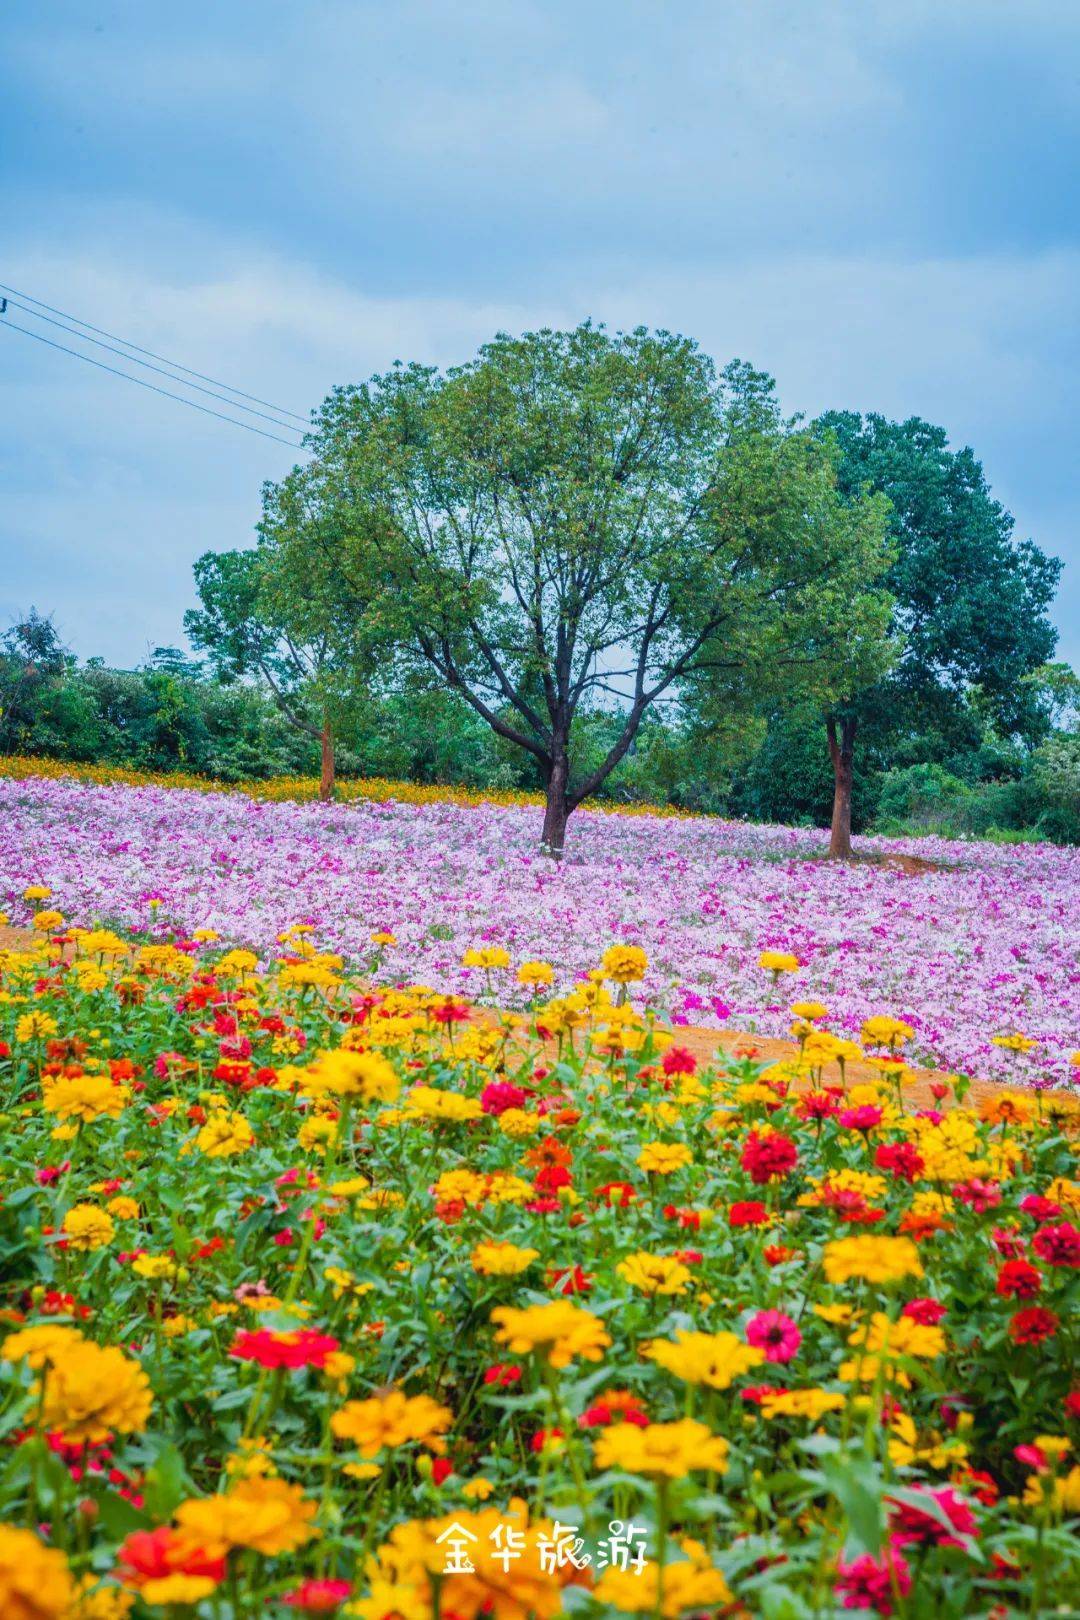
<point>1018,1279</point>
<point>775,1334</point>
<point>1058,1245</point>
<point>928,1312</point>
<point>678,1060</point>
<point>748,1213</point>
<point>924,1528</point>
<point>1033,1325</point>
<point>769,1156</point>
<point>873,1583</point>
<point>304,1348</point>
<point>318,1596</point>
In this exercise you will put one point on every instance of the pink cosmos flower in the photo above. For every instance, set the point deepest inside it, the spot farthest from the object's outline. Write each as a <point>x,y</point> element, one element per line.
<point>775,1334</point>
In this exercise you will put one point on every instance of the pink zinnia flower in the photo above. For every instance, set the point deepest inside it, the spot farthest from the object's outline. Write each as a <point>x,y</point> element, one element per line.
<point>873,1583</point>
<point>775,1334</point>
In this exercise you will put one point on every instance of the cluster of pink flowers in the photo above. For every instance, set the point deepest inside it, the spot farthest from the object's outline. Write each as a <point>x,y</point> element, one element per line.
<point>980,942</point>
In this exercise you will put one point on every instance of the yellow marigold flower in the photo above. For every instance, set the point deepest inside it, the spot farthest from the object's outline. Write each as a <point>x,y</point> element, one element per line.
<point>1062,1492</point>
<point>715,1359</point>
<point>383,936</point>
<point>502,1259</point>
<point>1063,1191</point>
<point>779,962</point>
<point>662,1450</point>
<point>1015,1042</point>
<point>809,1010</point>
<point>487,957</point>
<point>446,1107</point>
<point>316,1134</point>
<point>390,1420</point>
<point>154,1267</point>
<point>1006,1108</point>
<point>87,1227</point>
<point>801,1403</point>
<point>350,1188</point>
<point>96,1600</point>
<point>83,1096</point>
<point>535,973</point>
<point>342,1073</point>
<point>871,1259</point>
<point>37,891</point>
<point>34,1026</point>
<point>654,1273</point>
<point>37,1345</point>
<point>560,1331</point>
<point>35,1581</point>
<point>267,1514</point>
<point>900,1338</point>
<point>47,922</point>
<point>225,1134</point>
<point>624,964</point>
<point>664,1158</point>
<point>94,1390</point>
<point>691,1585</point>
<point>518,1124</point>
<point>235,963</point>
<point>477,1490</point>
<point>883,1030</point>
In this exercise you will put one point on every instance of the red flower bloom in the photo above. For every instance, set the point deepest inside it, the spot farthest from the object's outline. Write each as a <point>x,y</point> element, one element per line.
<point>901,1159</point>
<point>677,1060</point>
<point>569,1280</point>
<point>1033,1325</point>
<point>304,1348</point>
<point>615,1193</point>
<point>151,1555</point>
<point>775,1254</point>
<point>866,1118</point>
<point>923,1527</point>
<point>775,1334</point>
<point>501,1374</point>
<point>928,1312</point>
<point>769,1156</point>
<point>1018,1279</point>
<point>748,1213</point>
<point>500,1095</point>
<point>1058,1245</point>
<point>318,1597</point>
<point>1039,1208</point>
<point>981,1195</point>
<point>873,1583</point>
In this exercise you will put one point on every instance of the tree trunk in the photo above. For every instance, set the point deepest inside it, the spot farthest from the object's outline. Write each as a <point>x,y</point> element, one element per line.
<point>557,809</point>
<point>326,780</point>
<point>842,754</point>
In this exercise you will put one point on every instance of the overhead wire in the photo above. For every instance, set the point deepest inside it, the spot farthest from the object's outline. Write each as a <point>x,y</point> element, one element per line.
<point>175,364</point>
<point>13,303</point>
<point>39,337</point>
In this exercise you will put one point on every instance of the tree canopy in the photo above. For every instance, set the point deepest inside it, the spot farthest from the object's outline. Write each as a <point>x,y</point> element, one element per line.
<point>970,601</point>
<point>577,517</point>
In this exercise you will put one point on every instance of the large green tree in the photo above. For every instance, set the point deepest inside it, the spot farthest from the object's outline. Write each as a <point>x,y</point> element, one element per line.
<point>970,600</point>
<point>578,517</point>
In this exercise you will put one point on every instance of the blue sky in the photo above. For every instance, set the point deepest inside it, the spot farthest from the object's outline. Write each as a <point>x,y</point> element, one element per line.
<point>873,199</point>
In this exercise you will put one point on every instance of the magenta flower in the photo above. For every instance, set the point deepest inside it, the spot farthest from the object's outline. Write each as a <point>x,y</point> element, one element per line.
<point>873,1583</point>
<point>775,1334</point>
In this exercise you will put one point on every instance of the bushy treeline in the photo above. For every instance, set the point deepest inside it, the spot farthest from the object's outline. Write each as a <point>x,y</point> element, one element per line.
<point>960,779</point>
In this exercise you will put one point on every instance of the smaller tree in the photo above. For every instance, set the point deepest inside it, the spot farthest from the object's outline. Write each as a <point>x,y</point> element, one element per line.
<point>970,600</point>
<point>33,664</point>
<point>268,613</point>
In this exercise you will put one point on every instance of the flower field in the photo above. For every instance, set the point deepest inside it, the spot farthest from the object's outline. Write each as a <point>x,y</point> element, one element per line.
<point>981,943</point>
<point>321,1298</point>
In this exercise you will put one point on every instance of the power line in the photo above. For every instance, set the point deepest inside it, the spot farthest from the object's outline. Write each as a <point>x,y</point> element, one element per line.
<point>13,326</point>
<point>175,364</point>
<point>160,370</point>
